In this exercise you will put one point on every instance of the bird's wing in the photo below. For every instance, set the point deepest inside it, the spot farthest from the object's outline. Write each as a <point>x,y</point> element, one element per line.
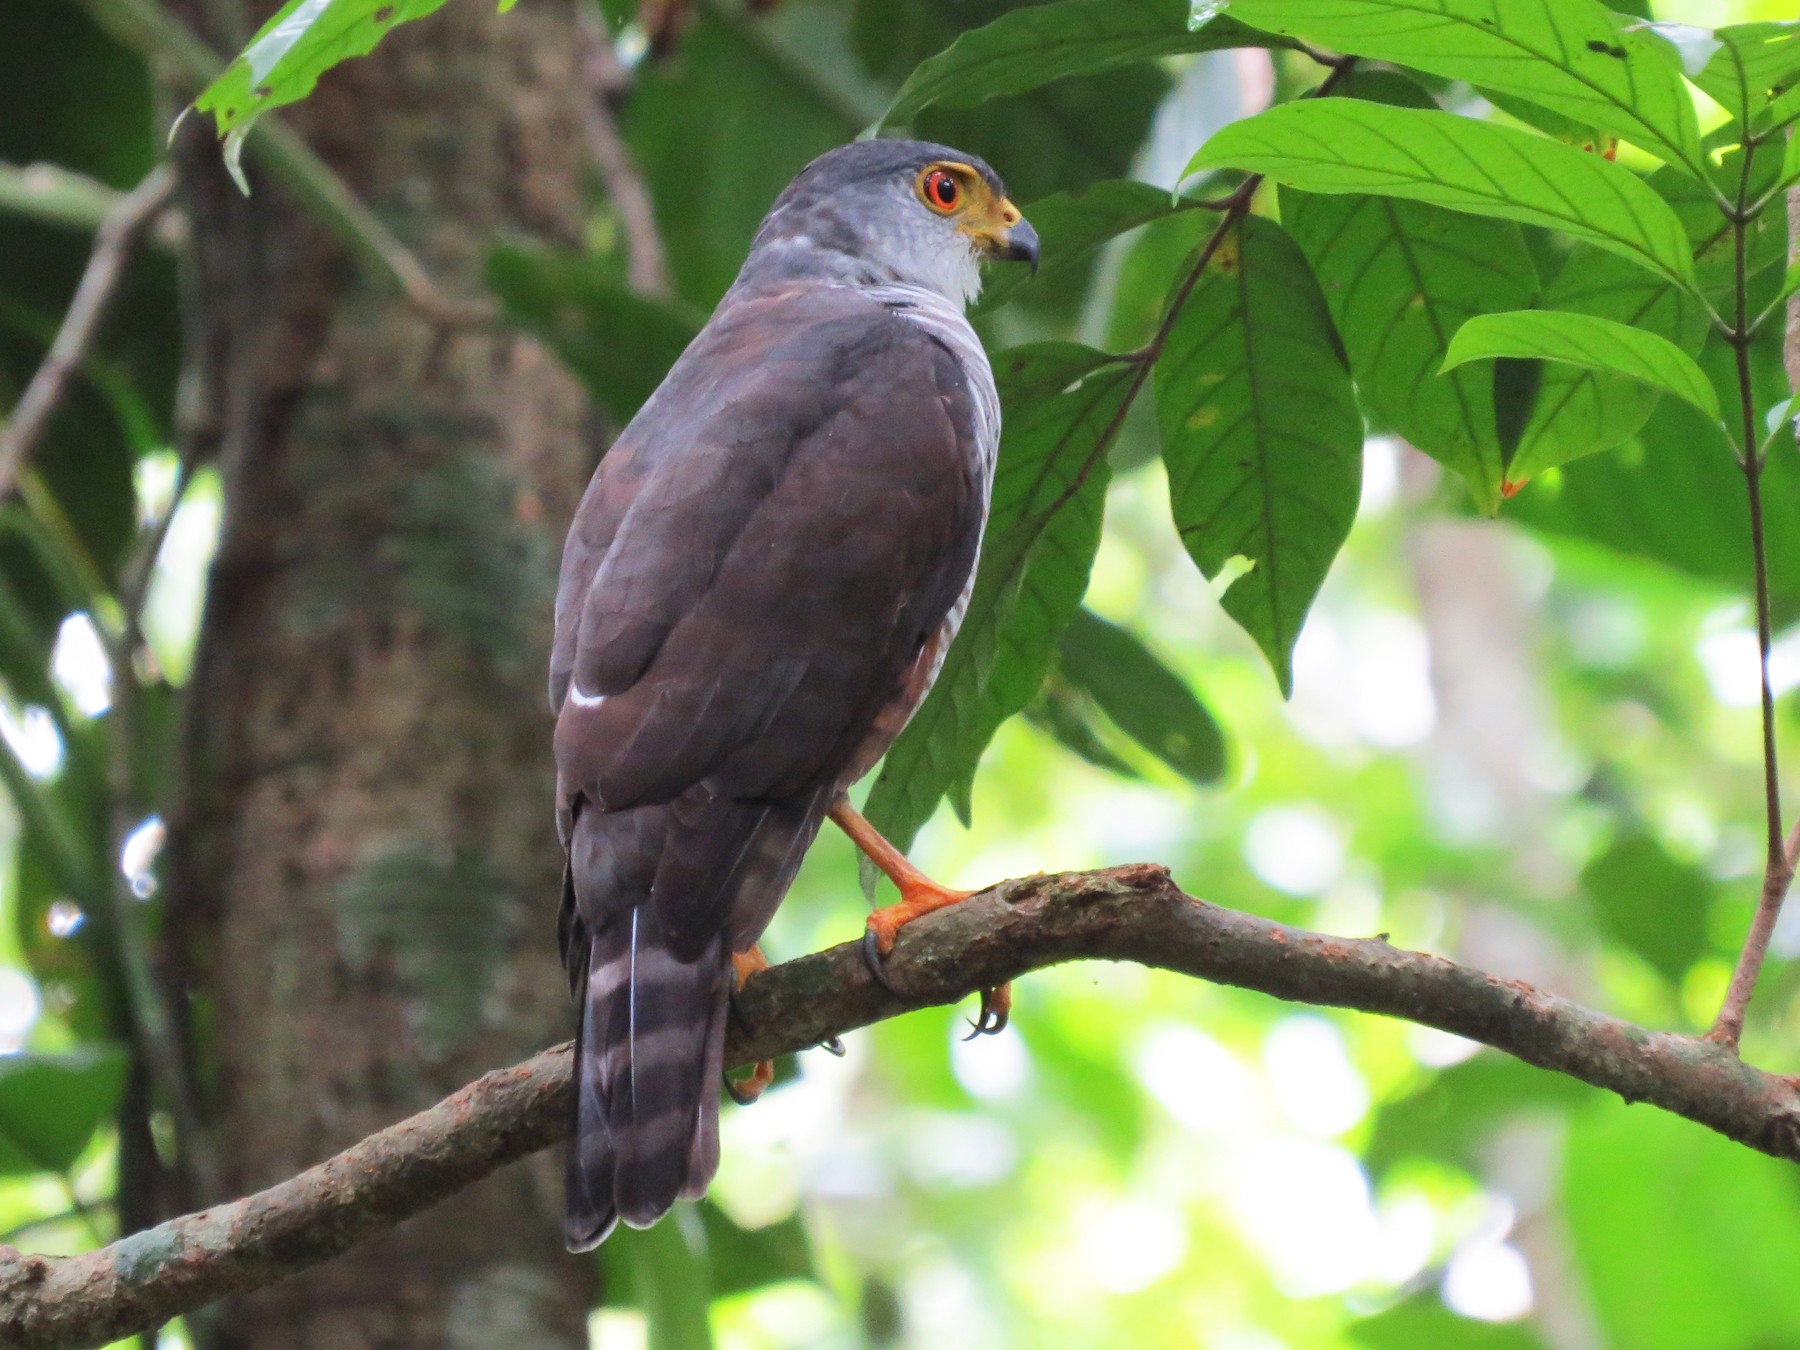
<point>765,561</point>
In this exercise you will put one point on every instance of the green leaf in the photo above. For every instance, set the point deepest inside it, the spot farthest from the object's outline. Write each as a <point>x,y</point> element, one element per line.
<point>1040,43</point>
<point>669,1278</point>
<point>1062,404</point>
<point>1572,56</point>
<point>63,830</point>
<point>711,178</point>
<point>1784,109</point>
<point>1744,66</point>
<point>1581,135</point>
<point>1717,1272</point>
<point>1343,145</point>
<point>711,1257</point>
<point>1710,235</point>
<point>1779,420</point>
<point>1654,904</point>
<point>1072,225</point>
<point>1401,277</point>
<point>1455,1114</point>
<point>1575,411</point>
<point>1422,1322</point>
<point>1590,342</point>
<point>1143,697</point>
<point>1790,164</point>
<point>1075,723</point>
<point>284,60</point>
<point>1624,501</point>
<point>1260,432</point>
<point>580,310</point>
<point>50,1106</point>
<point>749,1258</point>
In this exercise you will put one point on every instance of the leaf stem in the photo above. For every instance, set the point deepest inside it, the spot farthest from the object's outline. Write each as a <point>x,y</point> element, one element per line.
<point>1144,358</point>
<point>1778,869</point>
<point>1324,58</point>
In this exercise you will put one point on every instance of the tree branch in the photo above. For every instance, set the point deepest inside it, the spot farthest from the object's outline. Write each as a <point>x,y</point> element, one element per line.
<point>58,196</point>
<point>1122,914</point>
<point>607,80</point>
<point>112,247</point>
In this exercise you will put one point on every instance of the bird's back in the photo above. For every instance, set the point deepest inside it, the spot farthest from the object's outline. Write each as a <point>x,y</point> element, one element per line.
<point>752,584</point>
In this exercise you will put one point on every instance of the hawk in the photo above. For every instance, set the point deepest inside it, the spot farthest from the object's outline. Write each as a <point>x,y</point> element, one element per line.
<point>758,589</point>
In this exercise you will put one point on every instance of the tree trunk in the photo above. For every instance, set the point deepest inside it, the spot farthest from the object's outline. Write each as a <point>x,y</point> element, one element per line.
<point>365,871</point>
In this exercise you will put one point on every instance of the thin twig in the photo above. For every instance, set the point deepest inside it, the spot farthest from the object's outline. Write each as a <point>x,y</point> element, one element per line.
<point>173,47</point>
<point>1778,866</point>
<point>1132,914</point>
<point>607,82</point>
<point>60,196</point>
<point>112,247</point>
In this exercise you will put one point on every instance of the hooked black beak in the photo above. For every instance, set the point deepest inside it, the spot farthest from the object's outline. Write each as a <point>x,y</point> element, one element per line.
<point>1022,245</point>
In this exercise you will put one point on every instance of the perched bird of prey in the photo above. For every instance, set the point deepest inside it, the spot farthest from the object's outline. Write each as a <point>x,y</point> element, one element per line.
<point>758,589</point>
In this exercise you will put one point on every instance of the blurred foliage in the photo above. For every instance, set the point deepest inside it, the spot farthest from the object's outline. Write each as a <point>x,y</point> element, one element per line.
<point>1522,727</point>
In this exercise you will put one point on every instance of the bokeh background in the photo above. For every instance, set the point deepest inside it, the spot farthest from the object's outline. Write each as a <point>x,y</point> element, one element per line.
<point>1527,743</point>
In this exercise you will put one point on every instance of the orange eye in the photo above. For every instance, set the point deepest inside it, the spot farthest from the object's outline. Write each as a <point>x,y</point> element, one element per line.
<point>942,192</point>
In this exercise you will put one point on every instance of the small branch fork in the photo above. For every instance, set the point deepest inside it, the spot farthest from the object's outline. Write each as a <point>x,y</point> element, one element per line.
<point>1781,856</point>
<point>113,242</point>
<point>1123,914</point>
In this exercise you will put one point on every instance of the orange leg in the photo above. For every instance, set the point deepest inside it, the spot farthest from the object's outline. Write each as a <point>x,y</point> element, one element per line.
<point>747,1089</point>
<point>919,895</point>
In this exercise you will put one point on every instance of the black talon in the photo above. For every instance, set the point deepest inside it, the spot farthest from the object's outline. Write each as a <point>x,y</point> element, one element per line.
<point>990,1021</point>
<point>871,954</point>
<point>831,1045</point>
<point>738,1095</point>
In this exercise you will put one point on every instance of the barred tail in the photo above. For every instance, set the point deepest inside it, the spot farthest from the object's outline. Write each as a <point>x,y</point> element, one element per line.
<point>649,1054</point>
<point>652,982</point>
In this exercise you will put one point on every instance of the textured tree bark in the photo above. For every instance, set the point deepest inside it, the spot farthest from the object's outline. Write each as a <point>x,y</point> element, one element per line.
<point>364,864</point>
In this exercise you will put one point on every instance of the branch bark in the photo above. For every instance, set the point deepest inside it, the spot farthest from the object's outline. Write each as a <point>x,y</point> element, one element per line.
<point>1131,913</point>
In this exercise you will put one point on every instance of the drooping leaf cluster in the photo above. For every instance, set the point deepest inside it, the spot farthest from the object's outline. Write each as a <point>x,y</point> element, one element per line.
<point>1504,294</point>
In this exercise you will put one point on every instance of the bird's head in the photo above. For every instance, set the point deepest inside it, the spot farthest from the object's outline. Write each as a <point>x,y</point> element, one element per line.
<point>894,211</point>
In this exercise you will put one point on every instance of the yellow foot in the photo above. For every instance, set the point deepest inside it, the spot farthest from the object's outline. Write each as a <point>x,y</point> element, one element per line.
<point>919,895</point>
<point>748,1088</point>
<point>746,964</point>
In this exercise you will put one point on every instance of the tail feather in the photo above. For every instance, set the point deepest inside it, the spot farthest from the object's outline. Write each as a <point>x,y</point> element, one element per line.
<point>650,1045</point>
<point>661,1096</point>
<point>589,1212</point>
<point>652,979</point>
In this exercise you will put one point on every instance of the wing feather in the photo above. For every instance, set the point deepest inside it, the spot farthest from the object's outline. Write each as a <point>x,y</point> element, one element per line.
<point>746,593</point>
